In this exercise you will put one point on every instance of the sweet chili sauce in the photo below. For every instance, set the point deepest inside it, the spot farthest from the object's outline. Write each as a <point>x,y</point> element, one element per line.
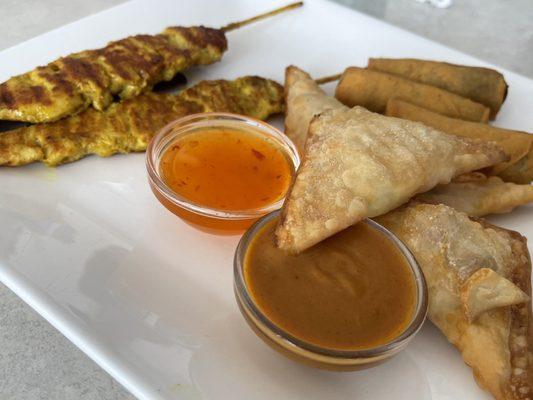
<point>226,169</point>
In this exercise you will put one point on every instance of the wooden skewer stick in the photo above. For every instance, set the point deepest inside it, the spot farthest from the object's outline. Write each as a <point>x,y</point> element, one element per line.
<point>327,79</point>
<point>237,25</point>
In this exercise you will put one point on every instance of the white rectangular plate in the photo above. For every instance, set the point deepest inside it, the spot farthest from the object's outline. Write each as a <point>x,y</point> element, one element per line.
<point>150,298</point>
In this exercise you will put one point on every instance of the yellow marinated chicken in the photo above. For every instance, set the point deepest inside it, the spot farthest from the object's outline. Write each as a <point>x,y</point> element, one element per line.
<point>124,68</point>
<point>128,126</point>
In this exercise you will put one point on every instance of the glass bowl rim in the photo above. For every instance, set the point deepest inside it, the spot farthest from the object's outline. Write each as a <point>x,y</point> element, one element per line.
<point>290,341</point>
<point>152,161</point>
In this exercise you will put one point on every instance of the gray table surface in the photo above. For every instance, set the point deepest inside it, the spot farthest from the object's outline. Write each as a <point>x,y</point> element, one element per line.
<point>36,361</point>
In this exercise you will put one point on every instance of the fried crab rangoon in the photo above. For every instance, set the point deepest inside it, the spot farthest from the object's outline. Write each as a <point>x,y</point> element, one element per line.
<point>359,164</point>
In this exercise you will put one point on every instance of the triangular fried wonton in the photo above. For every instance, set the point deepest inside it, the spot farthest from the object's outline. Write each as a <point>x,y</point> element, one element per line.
<point>360,164</point>
<point>479,195</point>
<point>303,100</point>
<point>479,286</point>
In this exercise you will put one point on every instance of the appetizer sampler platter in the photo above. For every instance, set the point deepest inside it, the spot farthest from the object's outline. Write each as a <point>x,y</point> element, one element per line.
<point>150,298</point>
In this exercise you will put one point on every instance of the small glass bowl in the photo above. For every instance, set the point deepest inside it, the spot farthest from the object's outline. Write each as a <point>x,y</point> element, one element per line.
<point>202,217</point>
<point>307,353</point>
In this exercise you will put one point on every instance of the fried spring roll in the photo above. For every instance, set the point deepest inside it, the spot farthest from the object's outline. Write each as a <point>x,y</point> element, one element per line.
<point>517,145</point>
<point>521,172</point>
<point>373,89</point>
<point>483,85</point>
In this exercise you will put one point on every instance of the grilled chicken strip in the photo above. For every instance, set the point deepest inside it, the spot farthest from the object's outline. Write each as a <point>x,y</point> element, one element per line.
<point>128,126</point>
<point>124,69</point>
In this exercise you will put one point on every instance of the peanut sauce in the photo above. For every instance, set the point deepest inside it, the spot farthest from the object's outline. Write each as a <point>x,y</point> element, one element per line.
<point>352,291</point>
<point>227,169</point>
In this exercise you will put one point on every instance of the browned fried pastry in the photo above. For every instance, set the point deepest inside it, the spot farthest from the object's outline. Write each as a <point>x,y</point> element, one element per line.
<point>477,195</point>
<point>485,290</point>
<point>303,100</point>
<point>373,89</point>
<point>521,171</point>
<point>124,68</point>
<point>479,285</point>
<point>483,85</point>
<point>518,145</point>
<point>360,164</point>
<point>129,125</point>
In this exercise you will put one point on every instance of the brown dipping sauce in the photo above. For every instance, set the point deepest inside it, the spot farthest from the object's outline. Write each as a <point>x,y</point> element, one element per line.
<point>352,291</point>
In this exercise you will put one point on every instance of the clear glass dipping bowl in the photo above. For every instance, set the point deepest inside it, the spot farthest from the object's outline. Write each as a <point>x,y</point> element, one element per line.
<point>307,353</point>
<point>202,217</point>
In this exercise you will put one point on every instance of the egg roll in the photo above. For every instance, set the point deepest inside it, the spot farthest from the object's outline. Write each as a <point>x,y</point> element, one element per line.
<point>360,164</point>
<point>482,85</point>
<point>478,195</point>
<point>521,171</point>
<point>373,89</point>
<point>517,145</point>
<point>303,100</point>
<point>479,287</point>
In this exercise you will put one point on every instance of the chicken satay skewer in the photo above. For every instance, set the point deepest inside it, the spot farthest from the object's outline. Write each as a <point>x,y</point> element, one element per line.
<point>124,68</point>
<point>128,126</point>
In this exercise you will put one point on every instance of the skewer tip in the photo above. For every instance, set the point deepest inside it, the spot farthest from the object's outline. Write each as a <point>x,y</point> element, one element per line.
<point>327,79</point>
<point>239,24</point>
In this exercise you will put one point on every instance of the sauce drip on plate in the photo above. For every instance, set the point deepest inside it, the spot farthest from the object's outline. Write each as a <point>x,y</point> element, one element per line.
<point>227,169</point>
<point>352,291</point>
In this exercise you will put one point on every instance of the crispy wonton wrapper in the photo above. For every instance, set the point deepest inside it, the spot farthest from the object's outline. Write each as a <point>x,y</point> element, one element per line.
<point>518,145</point>
<point>360,164</point>
<point>477,195</point>
<point>485,290</point>
<point>479,285</point>
<point>483,85</point>
<point>373,89</point>
<point>303,100</point>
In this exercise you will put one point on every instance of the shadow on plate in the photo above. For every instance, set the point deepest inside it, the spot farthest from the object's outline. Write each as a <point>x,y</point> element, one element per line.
<point>234,364</point>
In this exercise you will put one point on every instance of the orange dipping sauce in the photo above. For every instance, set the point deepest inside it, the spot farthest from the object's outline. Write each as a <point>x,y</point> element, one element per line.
<point>220,172</point>
<point>226,169</point>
